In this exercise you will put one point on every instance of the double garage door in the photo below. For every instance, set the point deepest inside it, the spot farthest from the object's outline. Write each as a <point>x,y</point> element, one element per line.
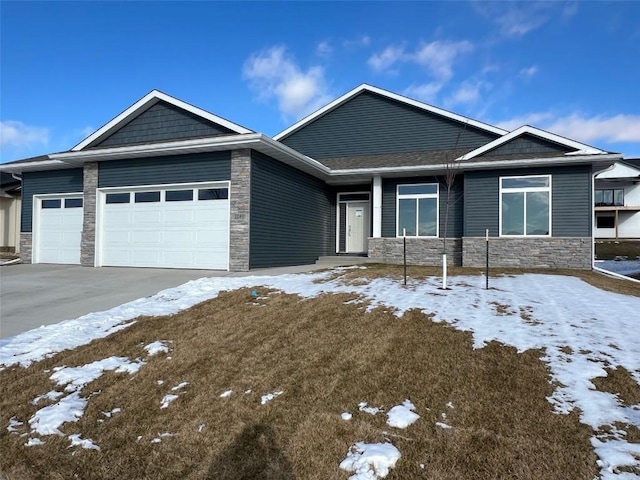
<point>182,226</point>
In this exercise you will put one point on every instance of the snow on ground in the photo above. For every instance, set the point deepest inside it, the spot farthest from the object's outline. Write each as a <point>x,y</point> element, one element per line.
<point>167,399</point>
<point>623,267</point>
<point>362,406</point>
<point>370,461</point>
<point>226,394</point>
<point>156,347</point>
<point>582,329</point>
<point>401,416</point>
<point>270,396</point>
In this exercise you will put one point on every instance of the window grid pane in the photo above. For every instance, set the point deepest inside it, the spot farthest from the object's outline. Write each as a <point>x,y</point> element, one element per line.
<point>525,182</point>
<point>427,217</point>
<point>72,203</point>
<point>430,189</point>
<point>537,213</point>
<point>178,195</point>
<point>213,194</point>
<point>407,213</point>
<point>147,197</point>
<point>513,213</point>
<point>52,203</point>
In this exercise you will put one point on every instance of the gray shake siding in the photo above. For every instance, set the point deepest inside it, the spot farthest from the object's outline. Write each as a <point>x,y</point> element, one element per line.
<point>163,122</point>
<point>370,124</point>
<point>49,181</point>
<point>528,144</point>
<point>455,208</point>
<point>290,212</point>
<point>571,200</point>
<point>201,167</point>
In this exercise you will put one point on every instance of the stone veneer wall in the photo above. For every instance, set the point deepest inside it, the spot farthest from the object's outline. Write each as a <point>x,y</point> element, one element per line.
<point>88,239</point>
<point>420,251</point>
<point>554,252</point>
<point>26,247</point>
<point>240,208</point>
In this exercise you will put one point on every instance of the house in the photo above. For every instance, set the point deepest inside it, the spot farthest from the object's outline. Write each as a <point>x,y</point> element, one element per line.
<point>9,212</point>
<point>167,184</point>
<point>617,201</point>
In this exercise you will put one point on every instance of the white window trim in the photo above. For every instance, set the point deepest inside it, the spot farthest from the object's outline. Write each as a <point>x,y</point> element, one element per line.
<point>416,197</point>
<point>339,201</point>
<point>548,189</point>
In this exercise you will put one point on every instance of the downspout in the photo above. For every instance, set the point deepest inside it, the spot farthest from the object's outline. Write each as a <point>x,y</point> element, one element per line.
<point>18,217</point>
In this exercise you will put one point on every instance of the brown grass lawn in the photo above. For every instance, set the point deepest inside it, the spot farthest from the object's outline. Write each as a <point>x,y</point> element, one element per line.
<point>327,355</point>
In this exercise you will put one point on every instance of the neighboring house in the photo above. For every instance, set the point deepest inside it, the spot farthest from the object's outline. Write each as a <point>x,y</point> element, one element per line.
<point>166,184</point>
<point>617,201</point>
<point>9,212</point>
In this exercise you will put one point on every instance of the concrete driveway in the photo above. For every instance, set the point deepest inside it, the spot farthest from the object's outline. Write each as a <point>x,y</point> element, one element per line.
<point>35,295</point>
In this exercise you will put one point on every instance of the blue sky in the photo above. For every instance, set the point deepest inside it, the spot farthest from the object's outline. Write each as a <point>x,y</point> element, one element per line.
<point>70,67</point>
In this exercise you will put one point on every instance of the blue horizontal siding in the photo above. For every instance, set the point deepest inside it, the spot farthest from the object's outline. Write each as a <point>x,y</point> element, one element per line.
<point>201,167</point>
<point>371,124</point>
<point>290,220</point>
<point>49,181</point>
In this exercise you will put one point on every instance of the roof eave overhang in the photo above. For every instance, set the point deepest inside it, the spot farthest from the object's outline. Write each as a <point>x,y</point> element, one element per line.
<point>34,166</point>
<point>255,141</point>
<point>598,161</point>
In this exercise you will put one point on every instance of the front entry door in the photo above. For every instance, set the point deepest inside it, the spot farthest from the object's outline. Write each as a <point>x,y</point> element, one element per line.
<point>357,226</point>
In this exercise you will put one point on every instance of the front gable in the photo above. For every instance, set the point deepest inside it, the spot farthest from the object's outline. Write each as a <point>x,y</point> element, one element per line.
<point>371,121</point>
<point>527,144</point>
<point>158,117</point>
<point>621,170</point>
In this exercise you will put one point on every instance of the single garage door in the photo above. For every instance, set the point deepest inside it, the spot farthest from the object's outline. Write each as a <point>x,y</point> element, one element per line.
<point>177,227</point>
<point>58,230</point>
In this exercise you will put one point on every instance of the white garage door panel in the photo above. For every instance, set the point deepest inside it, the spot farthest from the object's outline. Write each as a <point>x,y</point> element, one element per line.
<point>187,234</point>
<point>59,234</point>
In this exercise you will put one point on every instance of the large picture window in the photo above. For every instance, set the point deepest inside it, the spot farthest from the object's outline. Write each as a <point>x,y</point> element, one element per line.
<point>525,206</point>
<point>417,210</point>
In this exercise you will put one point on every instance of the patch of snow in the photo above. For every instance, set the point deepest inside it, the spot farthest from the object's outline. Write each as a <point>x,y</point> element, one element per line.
<point>33,441</point>
<point>112,412</point>
<point>13,423</point>
<point>362,406</point>
<point>450,405</point>
<point>77,377</point>
<point>226,394</point>
<point>346,416</point>
<point>52,395</point>
<point>443,425</point>
<point>248,391</point>
<point>370,461</point>
<point>200,427</point>
<point>47,420</point>
<point>159,382</point>
<point>86,443</point>
<point>167,399</point>
<point>401,416</point>
<point>156,440</point>
<point>270,396</point>
<point>179,386</point>
<point>156,347</point>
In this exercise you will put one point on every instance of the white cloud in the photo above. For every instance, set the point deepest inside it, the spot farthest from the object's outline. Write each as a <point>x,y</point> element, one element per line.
<point>17,134</point>
<point>529,71</point>
<point>427,92</point>
<point>387,58</point>
<point>273,73</point>
<point>438,57</point>
<point>617,128</point>
<point>324,49</point>
<point>362,41</point>
<point>468,92</point>
<point>517,18</point>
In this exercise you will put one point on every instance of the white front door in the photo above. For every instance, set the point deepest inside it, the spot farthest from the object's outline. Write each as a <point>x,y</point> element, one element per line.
<point>357,226</point>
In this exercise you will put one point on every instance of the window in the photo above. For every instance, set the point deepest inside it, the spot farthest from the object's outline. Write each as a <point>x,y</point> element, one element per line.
<point>118,197</point>
<point>178,195</point>
<point>417,210</point>
<point>146,197</point>
<point>605,221</point>
<point>52,203</point>
<point>72,203</point>
<point>609,197</point>
<point>213,194</point>
<point>525,205</point>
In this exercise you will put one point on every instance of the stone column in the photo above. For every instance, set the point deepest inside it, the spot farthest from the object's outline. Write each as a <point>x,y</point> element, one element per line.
<point>88,240</point>
<point>240,200</point>
<point>26,247</point>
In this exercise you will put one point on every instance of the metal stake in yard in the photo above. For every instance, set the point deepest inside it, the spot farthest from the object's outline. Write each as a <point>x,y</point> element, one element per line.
<point>487,272</point>
<point>404,253</point>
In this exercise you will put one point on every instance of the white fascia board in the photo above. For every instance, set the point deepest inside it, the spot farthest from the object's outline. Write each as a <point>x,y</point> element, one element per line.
<point>147,102</point>
<point>257,141</point>
<point>620,170</point>
<point>385,93</point>
<point>581,148</point>
<point>530,162</point>
<point>33,166</point>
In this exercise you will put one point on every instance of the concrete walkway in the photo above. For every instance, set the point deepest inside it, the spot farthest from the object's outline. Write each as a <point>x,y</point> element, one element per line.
<point>35,295</point>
